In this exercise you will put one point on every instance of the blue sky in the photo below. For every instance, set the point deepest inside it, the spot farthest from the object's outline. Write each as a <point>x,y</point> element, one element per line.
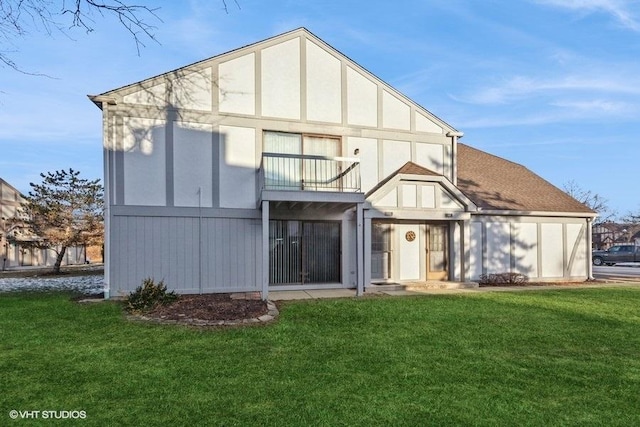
<point>551,84</point>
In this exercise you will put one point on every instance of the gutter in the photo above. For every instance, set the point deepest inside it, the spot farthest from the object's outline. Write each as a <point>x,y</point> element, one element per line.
<point>496,212</point>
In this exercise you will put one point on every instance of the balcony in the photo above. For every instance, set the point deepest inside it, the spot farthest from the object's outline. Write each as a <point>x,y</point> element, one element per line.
<point>295,177</point>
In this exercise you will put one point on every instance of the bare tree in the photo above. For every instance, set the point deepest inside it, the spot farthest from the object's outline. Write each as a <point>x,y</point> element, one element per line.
<point>19,18</point>
<point>631,222</point>
<point>591,200</point>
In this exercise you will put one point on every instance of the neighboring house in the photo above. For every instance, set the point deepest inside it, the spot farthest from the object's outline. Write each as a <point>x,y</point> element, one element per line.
<point>286,165</point>
<point>21,254</point>
<point>607,234</point>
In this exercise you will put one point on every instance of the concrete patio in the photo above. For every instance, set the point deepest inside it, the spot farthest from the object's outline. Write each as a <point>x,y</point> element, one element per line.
<point>415,291</point>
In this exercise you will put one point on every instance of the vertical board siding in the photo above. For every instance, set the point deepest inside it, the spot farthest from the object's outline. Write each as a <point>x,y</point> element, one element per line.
<point>552,250</point>
<point>169,249</point>
<point>498,242</point>
<point>576,250</point>
<point>539,249</point>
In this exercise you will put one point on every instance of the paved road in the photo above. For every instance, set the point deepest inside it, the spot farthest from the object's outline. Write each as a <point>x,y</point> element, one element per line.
<point>617,273</point>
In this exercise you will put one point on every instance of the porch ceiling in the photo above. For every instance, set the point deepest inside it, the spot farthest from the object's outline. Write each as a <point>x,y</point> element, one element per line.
<point>291,205</point>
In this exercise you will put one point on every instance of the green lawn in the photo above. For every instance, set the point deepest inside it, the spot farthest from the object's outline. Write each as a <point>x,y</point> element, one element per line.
<point>567,357</point>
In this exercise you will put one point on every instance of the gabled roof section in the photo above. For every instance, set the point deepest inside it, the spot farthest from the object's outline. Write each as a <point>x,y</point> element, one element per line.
<point>411,173</point>
<point>494,183</point>
<point>408,168</point>
<point>110,95</point>
<point>4,185</point>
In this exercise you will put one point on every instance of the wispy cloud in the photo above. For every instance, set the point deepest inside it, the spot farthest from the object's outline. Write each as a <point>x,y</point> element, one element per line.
<point>557,111</point>
<point>621,10</point>
<point>597,106</point>
<point>520,87</point>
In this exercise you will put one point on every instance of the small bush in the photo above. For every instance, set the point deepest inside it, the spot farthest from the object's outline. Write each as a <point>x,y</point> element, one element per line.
<point>148,296</point>
<point>503,279</point>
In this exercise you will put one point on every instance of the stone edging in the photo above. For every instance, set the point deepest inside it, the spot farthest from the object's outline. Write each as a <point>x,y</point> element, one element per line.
<point>272,313</point>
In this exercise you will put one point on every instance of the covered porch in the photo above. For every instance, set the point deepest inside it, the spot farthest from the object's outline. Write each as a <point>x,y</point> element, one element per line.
<point>312,216</point>
<point>417,224</point>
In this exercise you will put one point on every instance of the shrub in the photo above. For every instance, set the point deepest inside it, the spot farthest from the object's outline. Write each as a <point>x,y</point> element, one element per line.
<point>503,279</point>
<point>148,296</point>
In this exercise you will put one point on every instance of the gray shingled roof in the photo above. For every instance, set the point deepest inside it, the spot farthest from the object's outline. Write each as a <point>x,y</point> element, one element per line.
<point>494,183</point>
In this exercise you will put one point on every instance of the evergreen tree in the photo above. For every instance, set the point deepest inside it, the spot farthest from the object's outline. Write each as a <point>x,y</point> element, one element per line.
<point>63,211</point>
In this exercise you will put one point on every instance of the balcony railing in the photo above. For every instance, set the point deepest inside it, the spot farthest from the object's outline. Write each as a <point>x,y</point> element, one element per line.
<point>295,172</point>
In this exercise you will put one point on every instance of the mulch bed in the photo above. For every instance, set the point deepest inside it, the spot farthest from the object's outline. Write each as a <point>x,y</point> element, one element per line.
<point>209,307</point>
<point>524,284</point>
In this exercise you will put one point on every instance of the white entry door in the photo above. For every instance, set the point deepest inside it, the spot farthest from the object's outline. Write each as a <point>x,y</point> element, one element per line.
<point>410,244</point>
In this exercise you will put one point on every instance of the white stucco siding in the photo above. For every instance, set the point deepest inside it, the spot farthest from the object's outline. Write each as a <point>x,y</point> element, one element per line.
<point>7,193</point>
<point>428,196</point>
<point>237,85</point>
<point>365,149</point>
<point>409,196</point>
<point>143,145</point>
<point>498,242</point>
<point>552,250</point>
<point>237,167</point>
<point>324,85</point>
<point>154,95</point>
<point>192,164</point>
<point>362,100</point>
<point>281,80</point>
<point>389,200</point>
<point>448,202</point>
<point>575,252</point>
<point>7,211</point>
<point>431,156</point>
<point>525,248</point>
<point>395,113</point>
<point>423,124</point>
<point>395,155</point>
<point>192,90</point>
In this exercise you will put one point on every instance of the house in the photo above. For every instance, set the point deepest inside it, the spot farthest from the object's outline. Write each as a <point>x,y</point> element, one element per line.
<point>15,250</point>
<point>607,234</point>
<point>286,165</point>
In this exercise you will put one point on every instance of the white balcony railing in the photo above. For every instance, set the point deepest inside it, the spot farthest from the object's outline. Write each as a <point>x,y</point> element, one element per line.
<point>295,172</point>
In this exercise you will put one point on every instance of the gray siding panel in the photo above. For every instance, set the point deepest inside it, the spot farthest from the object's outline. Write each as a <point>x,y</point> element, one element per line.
<point>170,249</point>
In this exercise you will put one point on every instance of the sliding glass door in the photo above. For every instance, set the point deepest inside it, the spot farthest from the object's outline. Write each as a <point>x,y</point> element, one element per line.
<point>301,163</point>
<point>302,252</point>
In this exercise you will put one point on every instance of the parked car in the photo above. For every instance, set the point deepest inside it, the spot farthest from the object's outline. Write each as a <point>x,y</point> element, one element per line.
<point>616,254</point>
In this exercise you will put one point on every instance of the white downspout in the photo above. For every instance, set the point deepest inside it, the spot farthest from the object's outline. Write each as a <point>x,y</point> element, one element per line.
<point>589,248</point>
<point>200,240</point>
<point>454,155</point>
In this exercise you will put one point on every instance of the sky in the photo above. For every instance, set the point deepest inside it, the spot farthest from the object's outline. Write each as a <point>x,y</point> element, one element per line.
<point>551,84</point>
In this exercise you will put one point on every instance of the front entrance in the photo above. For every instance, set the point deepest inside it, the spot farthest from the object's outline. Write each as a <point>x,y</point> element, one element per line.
<point>410,251</point>
<point>437,252</point>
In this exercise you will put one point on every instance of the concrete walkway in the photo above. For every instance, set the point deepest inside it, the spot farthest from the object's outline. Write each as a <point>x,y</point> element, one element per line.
<point>351,293</point>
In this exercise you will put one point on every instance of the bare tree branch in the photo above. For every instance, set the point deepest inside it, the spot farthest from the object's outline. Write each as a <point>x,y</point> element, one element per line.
<point>19,18</point>
<point>131,17</point>
<point>590,199</point>
<point>226,9</point>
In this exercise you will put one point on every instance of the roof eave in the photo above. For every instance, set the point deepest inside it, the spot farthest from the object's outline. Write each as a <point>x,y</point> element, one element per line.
<point>504,212</point>
<point>99,100</point>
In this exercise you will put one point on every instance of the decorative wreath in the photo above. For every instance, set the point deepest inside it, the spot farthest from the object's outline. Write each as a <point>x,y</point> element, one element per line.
<point>410,236</point>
